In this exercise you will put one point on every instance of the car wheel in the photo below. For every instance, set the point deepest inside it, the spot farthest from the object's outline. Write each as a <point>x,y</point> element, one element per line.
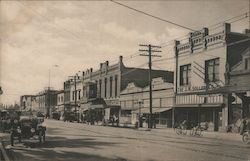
<point>19,139</point>
<point>40,137</point>
<point>246,138</point>
<point>44,136</point>
<point>12,139</point>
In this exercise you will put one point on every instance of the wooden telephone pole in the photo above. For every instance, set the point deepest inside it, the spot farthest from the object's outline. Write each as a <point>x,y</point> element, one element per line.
<point>150,50</point>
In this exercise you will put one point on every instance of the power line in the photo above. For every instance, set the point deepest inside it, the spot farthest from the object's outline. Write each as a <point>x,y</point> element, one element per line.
<point>150,15</point>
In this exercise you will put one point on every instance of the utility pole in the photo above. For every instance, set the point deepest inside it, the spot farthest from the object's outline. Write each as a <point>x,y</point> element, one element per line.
<point>150,50</point>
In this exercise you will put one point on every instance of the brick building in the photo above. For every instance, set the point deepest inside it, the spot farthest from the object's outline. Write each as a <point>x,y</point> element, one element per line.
<point>101,88</point>
<point>202,64</point>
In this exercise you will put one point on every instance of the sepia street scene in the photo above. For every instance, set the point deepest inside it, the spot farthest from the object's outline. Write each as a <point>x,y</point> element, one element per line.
<point>118,80</point>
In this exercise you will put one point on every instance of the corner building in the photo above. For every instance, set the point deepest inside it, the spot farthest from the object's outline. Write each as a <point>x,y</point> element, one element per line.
<point>202,64</point>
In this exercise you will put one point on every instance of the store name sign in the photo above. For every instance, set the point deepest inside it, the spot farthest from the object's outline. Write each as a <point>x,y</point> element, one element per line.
<point>194,88</point>
<point>191,88</point>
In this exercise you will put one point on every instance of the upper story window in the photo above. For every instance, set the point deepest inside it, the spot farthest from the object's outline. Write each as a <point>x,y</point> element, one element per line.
<point>185,74</point>
<point>212,70</point>
<point>79,94</point>
<point>116,85</point>
<point>105,87</point>
<point>110,85</point>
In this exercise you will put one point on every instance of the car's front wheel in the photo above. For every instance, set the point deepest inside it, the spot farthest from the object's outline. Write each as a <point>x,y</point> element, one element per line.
<point>12,139</point>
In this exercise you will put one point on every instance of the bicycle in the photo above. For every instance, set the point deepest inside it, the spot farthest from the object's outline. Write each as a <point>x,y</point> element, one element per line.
<point>181,131</point>
<point>196,131</point>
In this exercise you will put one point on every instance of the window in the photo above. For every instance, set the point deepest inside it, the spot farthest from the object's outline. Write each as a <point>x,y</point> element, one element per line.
<point>105,87</point>
<point>212,70</point>
<point>100,87</point>
<point>79,94</point>
<point>116,78</point>
<point>111,83</point>
<point>185,74</point>
<point>73,95</point>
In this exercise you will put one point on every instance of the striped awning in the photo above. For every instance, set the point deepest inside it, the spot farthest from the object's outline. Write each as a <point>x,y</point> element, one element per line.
<point>154,110</point>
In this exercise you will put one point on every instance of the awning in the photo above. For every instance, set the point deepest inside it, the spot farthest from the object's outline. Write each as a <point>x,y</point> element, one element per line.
<point>154,110</point>
<point>98,106</point>
<point>200,105</point>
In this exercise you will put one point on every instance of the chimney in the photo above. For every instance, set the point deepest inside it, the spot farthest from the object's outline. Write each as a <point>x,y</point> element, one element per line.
<point>227,27</point>
<point>107,63</point>
<point>205,31</point>
<point>120,59</point>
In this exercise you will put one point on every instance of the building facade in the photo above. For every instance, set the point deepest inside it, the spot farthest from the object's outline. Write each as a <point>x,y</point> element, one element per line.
<point>60,102</point>
<point>202,64</point>
<point>102,88</point>
<point>238,83</point>
<point>27,102</point>
<point>134,101</point>
<point>47,101</point>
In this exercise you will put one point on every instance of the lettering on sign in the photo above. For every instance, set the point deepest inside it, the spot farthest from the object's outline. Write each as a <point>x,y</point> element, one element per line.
<point>194,88</point>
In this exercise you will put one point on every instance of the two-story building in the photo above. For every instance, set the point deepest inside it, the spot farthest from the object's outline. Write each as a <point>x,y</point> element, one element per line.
<point>102,87</point>
<point>60,102</point>
<point>134,101</point>
<point>202,64</point>
<point>47,101</point>
<point>238,83</point>
<point>27,102</point>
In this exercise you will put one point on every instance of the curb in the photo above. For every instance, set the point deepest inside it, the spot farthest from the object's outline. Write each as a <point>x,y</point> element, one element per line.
<point>4,155</point>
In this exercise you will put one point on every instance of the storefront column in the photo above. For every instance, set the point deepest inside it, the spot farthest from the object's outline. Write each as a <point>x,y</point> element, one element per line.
<point>173,117</point>
<point>245,107</point>
<point>226,111</point>
<point>215,120</point>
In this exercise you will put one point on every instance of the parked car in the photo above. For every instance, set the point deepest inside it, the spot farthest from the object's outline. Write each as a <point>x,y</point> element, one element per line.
<point>56,115</point>
<point>28,127</point>
<point>70,116</point>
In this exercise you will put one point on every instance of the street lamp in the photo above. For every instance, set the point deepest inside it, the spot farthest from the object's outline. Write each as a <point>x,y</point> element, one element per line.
<point>48,93</point>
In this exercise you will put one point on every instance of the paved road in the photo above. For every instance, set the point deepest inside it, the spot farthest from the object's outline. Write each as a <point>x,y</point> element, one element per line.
<point>73,142</point>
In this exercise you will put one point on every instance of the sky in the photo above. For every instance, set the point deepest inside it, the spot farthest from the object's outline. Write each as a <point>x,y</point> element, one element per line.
<point>66,37</point>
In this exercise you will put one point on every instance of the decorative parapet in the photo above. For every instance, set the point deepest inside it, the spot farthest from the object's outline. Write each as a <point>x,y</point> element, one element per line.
<point>201,40</point>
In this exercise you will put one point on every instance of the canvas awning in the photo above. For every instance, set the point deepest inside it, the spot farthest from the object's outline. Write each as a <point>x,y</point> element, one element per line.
<point>199,105</point>
<point>154,110</point>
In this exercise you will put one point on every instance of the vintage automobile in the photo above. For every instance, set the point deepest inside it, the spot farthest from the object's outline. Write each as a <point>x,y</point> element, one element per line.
<point>69,116</point>
<point>28,127</point>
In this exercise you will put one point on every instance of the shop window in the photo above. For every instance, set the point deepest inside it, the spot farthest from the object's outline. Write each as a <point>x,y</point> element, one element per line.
<point>125,113</point>
<point>212,70</point>
<point>185,74</point>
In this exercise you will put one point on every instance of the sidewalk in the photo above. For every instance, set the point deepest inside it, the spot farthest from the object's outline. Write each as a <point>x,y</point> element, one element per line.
<point>205,134</point>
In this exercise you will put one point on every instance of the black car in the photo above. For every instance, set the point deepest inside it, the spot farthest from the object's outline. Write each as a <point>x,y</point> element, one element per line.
<point>28,127</point>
